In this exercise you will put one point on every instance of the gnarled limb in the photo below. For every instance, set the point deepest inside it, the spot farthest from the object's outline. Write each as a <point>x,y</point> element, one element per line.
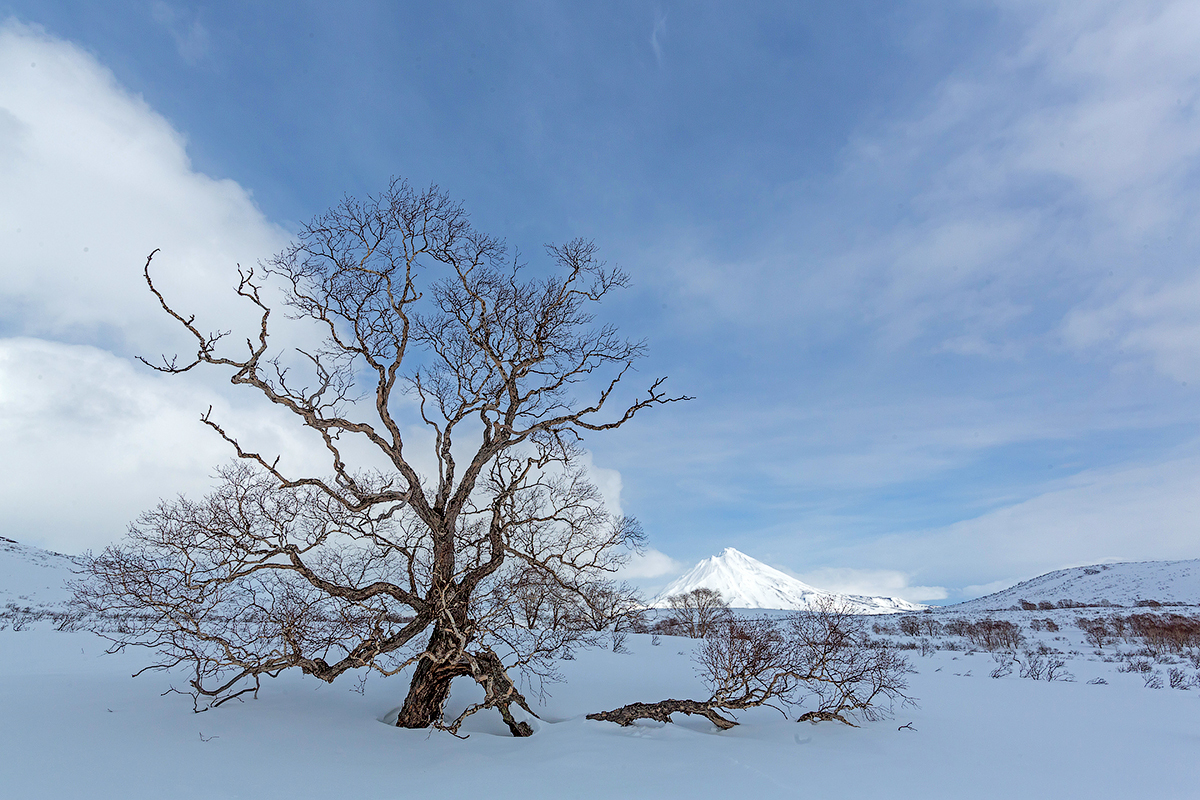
<point>662,711</point>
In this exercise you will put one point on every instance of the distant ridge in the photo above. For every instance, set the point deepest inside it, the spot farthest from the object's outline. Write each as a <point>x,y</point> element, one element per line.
<point>747,583</point>
<point>1121,584</point>
<point>31,576</point>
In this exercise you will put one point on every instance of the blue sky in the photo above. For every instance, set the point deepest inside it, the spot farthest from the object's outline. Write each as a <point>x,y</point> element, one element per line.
<point>929,269</point>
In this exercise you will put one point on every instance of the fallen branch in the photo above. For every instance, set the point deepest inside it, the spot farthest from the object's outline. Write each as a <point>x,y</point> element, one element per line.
<point>661,712</point>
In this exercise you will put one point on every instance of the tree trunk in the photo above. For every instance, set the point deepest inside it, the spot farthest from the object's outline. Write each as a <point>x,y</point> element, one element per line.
<point>431,680</point>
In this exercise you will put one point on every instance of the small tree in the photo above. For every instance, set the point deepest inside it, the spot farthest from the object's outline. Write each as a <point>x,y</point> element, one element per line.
<point>822,655</point>
<point>699,611</point>
<point>485,563</point>
<point>843,671</point>
<point>1094,630</point>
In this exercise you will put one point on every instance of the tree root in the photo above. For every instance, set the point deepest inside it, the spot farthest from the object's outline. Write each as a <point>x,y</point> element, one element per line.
<point>661,712</point>
<point>499,693</point>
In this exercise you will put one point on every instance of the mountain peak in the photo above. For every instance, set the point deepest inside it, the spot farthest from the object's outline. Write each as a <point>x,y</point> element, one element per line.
<point>746,582</point>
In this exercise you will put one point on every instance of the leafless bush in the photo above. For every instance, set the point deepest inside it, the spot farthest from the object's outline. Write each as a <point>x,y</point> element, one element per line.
<point>1137,665</point>
<point>669,626</point>
<point>993,634</point>
<point>744,663</point>
<point>1004,663</point>
<point>930,626</point>
<point>881,628</point>
<point>699,611</point>
<point>956,626</point>
<point>1178,678</point>
<point>1165,633</point>
<point>20,618</point>
<point>1153,680</point>
<point>910,625</point>
<point>1095,631</point>
<point>822,657</point>
<point>1042,663</point>
<point>841,669</point>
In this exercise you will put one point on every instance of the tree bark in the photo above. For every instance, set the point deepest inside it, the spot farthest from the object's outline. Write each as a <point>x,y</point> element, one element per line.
<point>662,711</point>
<point>431,680</point>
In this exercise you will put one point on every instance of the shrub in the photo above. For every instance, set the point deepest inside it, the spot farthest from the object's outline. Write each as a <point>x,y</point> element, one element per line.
<point>993,634</point>
<point>824,656</point>
<point>1095,631</point>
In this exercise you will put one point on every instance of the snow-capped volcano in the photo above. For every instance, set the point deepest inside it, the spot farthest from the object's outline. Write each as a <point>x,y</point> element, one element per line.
<point>746,583</point>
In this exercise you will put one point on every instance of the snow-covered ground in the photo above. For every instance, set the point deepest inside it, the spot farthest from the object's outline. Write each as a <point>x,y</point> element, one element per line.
<point>1122,584</point>
<point>74,724</point>
<point>30,576</point>
<point>745,582</point>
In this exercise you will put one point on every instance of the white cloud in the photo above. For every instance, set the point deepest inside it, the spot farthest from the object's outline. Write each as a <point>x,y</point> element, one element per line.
<point>979,590</point>
<point>191,37</point>
<point>872,582</point>
<point>649,564</point>
<point>1021,183</point>
<point>90,440</point>
<point>94,180</point>
<point>1126,513</point>
<point>1158,320</point>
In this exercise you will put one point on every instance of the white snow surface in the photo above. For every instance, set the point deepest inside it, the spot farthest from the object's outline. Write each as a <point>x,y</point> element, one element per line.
<point>1121,584</point>
<point>745,582</point>
<point>32,577</point>
<point>74,724</point>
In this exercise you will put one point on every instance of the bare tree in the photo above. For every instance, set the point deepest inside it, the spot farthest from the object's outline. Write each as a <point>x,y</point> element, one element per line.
<point>425,322</point>
<point>745,663</point>
<point>697,612</point>
<point>823,654</point>
<point>842,670</point>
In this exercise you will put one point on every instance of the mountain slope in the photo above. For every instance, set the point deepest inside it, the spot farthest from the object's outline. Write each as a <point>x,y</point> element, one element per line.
<point>30,576</point>
<point>1123,584</point>
<point>747,583</point>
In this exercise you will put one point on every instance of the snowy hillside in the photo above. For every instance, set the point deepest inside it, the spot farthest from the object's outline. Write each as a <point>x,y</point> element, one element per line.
<point>746,583</point>
<point>30,576</point>
<point>1123,584</point>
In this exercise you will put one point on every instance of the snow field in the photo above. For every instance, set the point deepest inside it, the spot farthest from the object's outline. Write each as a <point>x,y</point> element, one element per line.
<point>73,724</point>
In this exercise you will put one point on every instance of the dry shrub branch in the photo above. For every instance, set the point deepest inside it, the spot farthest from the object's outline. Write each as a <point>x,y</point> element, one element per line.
<point>823,658</point>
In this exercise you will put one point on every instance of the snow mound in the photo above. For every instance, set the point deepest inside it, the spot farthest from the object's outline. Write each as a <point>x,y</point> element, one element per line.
<point>747,583</point>
<point>1123,584</point>
<point>31,576</point>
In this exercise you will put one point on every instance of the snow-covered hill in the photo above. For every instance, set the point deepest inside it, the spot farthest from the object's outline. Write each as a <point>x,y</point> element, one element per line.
<point>747,583</point>
<point>1123,584</point>
<point>30,576</point>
